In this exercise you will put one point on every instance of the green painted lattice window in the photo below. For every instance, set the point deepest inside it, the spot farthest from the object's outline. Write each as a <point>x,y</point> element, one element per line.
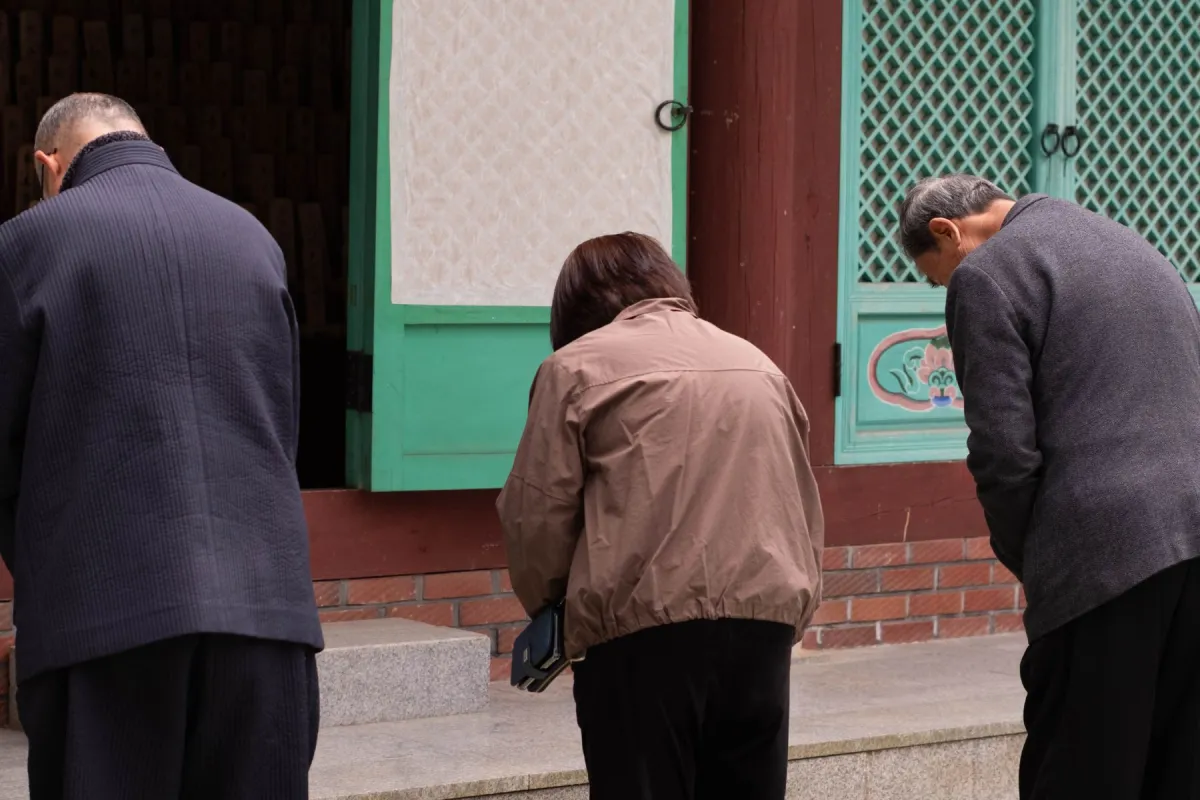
<point>1138,96</point>
<point>945,87</point>
<point>930,87</point>
<point>936,86</point>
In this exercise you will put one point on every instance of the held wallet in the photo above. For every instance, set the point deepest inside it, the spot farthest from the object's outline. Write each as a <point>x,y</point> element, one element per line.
<point>539,654</point>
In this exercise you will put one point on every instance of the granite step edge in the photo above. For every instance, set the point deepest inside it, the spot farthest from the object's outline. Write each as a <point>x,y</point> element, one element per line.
<point>517,784</point>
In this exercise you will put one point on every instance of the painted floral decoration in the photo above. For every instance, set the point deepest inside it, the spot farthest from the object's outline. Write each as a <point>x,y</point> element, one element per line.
<point>937,371</point>
<point>924,379</point>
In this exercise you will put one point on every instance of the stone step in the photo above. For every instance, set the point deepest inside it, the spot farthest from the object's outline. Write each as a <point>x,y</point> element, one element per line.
<point>936,721</point>
<point>387,670</point>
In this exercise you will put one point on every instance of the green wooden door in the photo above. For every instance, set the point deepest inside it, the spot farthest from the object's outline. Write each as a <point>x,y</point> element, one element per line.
<point>491,148</point>
<point>940,86</point>
<point>928,88</point>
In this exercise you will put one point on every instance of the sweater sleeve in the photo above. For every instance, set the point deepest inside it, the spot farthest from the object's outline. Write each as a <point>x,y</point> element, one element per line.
<point>541,505</point>
<point>995,373</point>
<point>294,327</point>
<point>289,306</point>
<point>16,381</point>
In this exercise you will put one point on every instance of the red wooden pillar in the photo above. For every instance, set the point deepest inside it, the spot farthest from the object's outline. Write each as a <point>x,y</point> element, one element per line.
<point>763,227</point>
<point>766,78</point>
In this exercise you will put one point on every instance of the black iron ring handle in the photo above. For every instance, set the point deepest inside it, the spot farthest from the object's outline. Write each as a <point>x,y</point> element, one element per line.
<point>679,115</point>
<point>1069,134</point>
<point>1051,130</point>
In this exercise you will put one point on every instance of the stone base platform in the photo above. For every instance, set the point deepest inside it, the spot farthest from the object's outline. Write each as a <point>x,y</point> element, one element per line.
<point>937,721</point>
<point>389,670</point>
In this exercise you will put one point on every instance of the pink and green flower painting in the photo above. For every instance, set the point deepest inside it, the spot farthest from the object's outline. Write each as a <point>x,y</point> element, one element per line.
<point>913,369</point>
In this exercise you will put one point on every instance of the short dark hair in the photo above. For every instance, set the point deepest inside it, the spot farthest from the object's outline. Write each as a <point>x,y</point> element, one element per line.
<point>76,107</point>
<point>604,276</point>
<point>950,197</point>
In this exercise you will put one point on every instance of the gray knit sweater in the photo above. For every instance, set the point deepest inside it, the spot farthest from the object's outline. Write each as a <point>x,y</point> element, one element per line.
<point>1077,347</point>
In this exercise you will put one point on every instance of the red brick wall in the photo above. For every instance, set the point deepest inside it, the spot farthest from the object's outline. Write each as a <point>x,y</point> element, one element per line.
<point>874,594</point>
<point>894,593</point>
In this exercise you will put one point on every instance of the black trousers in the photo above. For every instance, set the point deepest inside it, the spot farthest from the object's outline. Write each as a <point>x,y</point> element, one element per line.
<point>201,716</point>
<point>1113,709</point>
<point>694,710</point>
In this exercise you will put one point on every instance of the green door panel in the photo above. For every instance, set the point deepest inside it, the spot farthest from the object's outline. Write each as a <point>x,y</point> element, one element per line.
<point>937,87</point>
<point>928,88</point>
<point>450,383</point>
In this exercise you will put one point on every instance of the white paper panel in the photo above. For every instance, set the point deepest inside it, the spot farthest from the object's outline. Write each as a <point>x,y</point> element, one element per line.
<point>518,129</point>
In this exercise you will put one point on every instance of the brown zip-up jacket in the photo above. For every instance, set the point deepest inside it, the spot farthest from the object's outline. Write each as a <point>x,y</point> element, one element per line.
<point>663,476</point>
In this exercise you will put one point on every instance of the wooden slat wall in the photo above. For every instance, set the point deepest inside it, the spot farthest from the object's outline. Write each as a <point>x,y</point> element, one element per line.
<point>250,99</point>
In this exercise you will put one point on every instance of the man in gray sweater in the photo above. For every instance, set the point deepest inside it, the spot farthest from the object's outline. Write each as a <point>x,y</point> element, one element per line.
<point>1077,348</point>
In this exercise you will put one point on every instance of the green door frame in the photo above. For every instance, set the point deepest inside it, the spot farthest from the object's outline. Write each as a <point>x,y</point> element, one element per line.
<point>1054,94</point>
<point>370,205</point>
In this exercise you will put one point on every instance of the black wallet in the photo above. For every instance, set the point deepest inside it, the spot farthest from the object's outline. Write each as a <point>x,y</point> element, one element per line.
<point>539,655</point>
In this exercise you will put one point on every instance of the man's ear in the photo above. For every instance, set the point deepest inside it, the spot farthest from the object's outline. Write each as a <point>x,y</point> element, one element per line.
<point>50,163</point>
<point>942,228</point>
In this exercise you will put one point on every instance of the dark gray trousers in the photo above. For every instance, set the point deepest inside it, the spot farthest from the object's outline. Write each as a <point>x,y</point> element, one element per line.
<point>1113,709</point>
<point>200,716</point>
<point>690,711</point>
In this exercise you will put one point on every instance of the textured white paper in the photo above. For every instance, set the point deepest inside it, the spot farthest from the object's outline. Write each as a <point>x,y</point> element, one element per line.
<point>518,129</point>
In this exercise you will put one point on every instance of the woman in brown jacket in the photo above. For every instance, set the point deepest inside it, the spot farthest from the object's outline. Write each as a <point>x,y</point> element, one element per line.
<point>663,489</point>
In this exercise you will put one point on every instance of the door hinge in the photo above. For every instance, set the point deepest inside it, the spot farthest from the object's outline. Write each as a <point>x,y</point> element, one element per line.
<point>837,369</point>
<point>359,375</point>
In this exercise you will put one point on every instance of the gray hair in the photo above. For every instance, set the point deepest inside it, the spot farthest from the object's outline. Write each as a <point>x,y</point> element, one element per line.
<point>950,197</point>
<point>75,108</point>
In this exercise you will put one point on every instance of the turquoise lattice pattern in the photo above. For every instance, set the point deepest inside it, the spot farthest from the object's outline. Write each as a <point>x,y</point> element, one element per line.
<point>945,87</point>
<point>1138,103</point>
